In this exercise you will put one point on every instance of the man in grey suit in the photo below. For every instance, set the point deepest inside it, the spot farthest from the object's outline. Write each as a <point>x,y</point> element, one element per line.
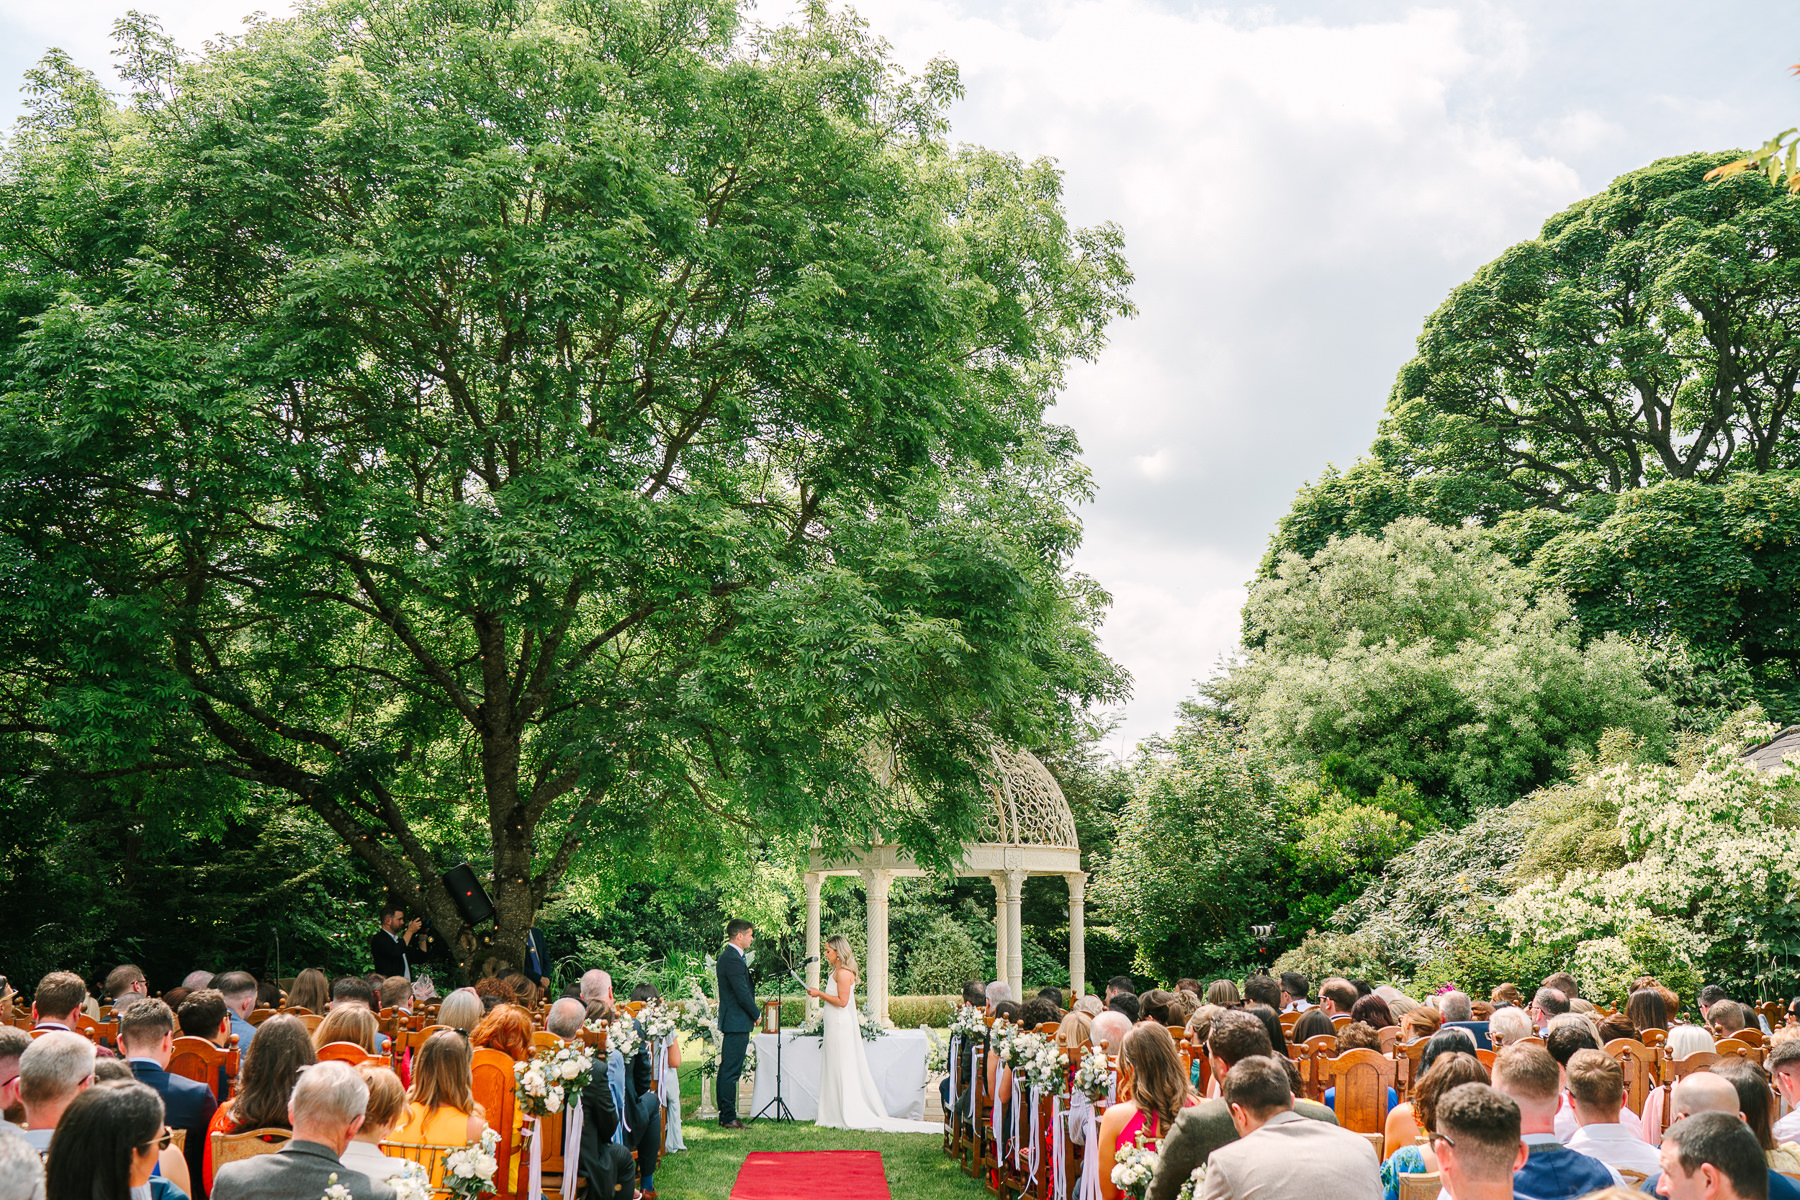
<point>1281,1155</point>
<point>325,1111</point>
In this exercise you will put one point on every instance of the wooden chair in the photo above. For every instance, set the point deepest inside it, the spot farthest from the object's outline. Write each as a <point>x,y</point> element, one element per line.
<point>1339,1020</point>
<point>1754,1037</point>
<point>1422,1186</point>
<point>1288,1021</point>
<point>259,1015</point>
<point>1633,1179</point>
<point>981,1106</point>
<point>1361,1079</point>
<point>1406,1057</point>
<point>351,1053</point>
<point>493,1087</point>
<point>198,1059</point>
<point>310,1020</point>
<point>543,1039</point>
<point>1390,1037</point>
<point>1653,1037</point>
<point>1486,1057</point>
<point>552,1132</point>
<point>1638,1062</point>
<point>429,1156</point>
<point>1738,1047</point>
<point>231,1147</point>
<point>1310,1056</point>
<point>1680,1068</point>
<point>1773,1012</point>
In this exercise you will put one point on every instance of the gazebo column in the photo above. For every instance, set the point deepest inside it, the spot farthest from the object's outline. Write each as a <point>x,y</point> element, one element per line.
<point>876,883</point>
<point>1001,927</point>
<point>814,881</point>
<point>1077,881</point>
<point>1015,941</point>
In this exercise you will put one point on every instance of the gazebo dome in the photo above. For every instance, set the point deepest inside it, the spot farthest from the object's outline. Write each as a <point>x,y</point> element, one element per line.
<point>1029,809</point>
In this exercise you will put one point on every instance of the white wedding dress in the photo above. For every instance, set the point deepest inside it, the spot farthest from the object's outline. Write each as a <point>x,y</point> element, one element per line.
<point>847,1095</point>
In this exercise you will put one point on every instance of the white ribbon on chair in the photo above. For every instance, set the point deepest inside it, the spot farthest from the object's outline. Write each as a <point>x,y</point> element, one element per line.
<point>1017,1104</point>
<point>955,1042</point>
<point>995,1114</point>
<point>668,1095</point>
<point>1059,1158</point>
<point>572,1119</point>
<point>535,1180</point>
<point>1034,1156</point>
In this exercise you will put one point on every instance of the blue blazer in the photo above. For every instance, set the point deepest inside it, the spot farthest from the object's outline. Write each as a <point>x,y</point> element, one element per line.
<point>187,1104</point>
<point>1555,1172</point>
<point>737,1003</point>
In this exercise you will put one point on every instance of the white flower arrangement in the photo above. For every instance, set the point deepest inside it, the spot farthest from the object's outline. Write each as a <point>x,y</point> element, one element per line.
<point>1093,1075</point>
<point>411,1182</point>
<point>469,1172</point>
<point>1133,1169</point>
<point>1038,1063</point>
<point>623,1035</point>
<point>1191,1188</point>
<point>937,1059</point>
<point>813,1026</point>
<point>968,1022</point>
<point>869,1025</point>
<point>335,1190</point>
<point>658,1020</point>
<point>551,1079</point>
<point>695,1019</point>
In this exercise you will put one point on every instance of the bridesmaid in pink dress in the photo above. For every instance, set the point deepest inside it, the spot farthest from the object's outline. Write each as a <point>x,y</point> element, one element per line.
<point>1159,1091</point>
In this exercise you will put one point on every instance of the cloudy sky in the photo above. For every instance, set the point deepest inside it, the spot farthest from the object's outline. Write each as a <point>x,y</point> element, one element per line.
<point>1299,185</point>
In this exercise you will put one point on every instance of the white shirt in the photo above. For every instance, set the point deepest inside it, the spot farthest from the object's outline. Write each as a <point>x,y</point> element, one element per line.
<point>1567,1122</point>
<point>1788,1128</point>
<point>361,1156</point>
<point>1297,1006</point>
<point>1617,1146</point>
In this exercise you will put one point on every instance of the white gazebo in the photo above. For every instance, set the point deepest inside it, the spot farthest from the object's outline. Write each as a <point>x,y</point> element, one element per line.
<point>1029,831</point>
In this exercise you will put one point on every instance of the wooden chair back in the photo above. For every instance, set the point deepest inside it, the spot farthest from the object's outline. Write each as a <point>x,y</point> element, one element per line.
<point>1633,1179</point>
<point>1339,1020</point>
<point>1048,1028</point>
<point>1737,1047</point>
<point>981,1105</point>
<point>259,1015</point>
<point>1361,1079</point>
<point>1390,1037</point>
<point>543,1039</point>
<point>1486,1057</point>
<point>1288,1021</point>
<point>198,1059</point>
<point>1653,1037</point>
<point>593,1039</point>
<point>632,1007</point>
<point>1421,1186</point>
<point>1754,1037</point>
<point>429,1156</point>
<point>1310,1056</point>
<point>412,1039</point>
<point>1638,1062</point>
<point>1407,1056</point>
<point>493,1087</point>
<point>232,1147</point>
<point>1773,1012</point>
<point>551,1130</point>
<point>352,1054</point>
<point>1680,1068</point>
<point>310,1020</point>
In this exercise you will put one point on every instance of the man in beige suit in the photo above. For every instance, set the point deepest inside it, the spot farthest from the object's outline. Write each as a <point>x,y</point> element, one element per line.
<point>1281,1155</point>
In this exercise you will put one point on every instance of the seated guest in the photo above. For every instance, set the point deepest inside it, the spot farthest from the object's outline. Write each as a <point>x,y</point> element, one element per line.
<point>351,1023</point>
<point>1570,1034</point>
<point>1684,1040</point>
<point>1614,1027</point>
<point>1280,1155</point>
<point>1182,1006</point>
<point>125,985</point>
<point>174,998</point>
<point>1090,1004</point>
<point>1756,1106</point>
<point>239,990</point>
<point>326,1110</point>
<point>197,979</point>
<point>1563,982</point>
<point>1645,1010</point>
<point>1000,992</point>
<point>1507,995</point>
<point>1294,992</point>
<point>387,1104</point>
<point>1783,1064</point>
<point>1357,1036</point>
<point>441,1108</point>
<point>1421,1022</point>
<point>1547,1003</point>
<point>396,993</point>
<point>1224,993</point>
<point>1109,1030</point>
<point>21,1169</point>
<point>269,994</point>
<point>170,1164</point>
<point>1727,1019</point>
<point>1054,996</point>
<point>1118,985</point>
<point>282,1050</point>
<point>1478,1144</point>
<point>1458,1012</point>
<point>12,1044</point>
<point>1312,1023</point>
<point>352,989</point>
<point>462,1010</point>
<point>1203,1128</point>
<point>1528,1076</point>
<point>203,1015</point>
<point>1186,984</point>
<point>57,1004</point>
<point>1072,1031</point>
<point>147,1039</point>
<point>1508,1026</point>
<point>1401,1127</point>
<point>1038,1011</point>
<point>998,1077</point>
<point>1705,1092</point>
<point>57,1067</point>
<point>1449,1071</point>
<point>1260,989</point>
<point>1597,1091</point>
<point>311,992</point>
<point>1160,1090</point>
<point>1126,1005</point>
<point>107,1144</point>
<point>1715,1156</point>
<point>1372,1011</point>
<point>506,1029</point>
<point>1271,1022</point>
<point>975,994</point>
<point>1155,1005</point>
<point>1337,997</point>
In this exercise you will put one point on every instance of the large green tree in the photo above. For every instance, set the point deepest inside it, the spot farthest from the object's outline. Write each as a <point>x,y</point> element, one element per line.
<point>557,431</point>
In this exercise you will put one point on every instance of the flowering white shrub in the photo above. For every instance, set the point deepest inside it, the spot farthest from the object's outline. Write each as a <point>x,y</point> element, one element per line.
<point>1712,867</point>
<point>551,1079</point>
<point>470,1171</point>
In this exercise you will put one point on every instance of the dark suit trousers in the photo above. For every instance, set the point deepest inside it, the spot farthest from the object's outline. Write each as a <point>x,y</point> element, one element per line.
<point>731,1069</point>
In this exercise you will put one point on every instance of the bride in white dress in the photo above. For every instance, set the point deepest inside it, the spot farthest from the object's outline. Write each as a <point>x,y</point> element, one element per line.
<point>847,1095</point>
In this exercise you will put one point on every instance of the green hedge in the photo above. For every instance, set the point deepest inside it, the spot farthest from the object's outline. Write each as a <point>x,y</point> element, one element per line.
<point>907,1012</point>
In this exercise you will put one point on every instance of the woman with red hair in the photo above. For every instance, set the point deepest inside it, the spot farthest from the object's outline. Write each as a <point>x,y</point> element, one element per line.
<point>507,1029</point>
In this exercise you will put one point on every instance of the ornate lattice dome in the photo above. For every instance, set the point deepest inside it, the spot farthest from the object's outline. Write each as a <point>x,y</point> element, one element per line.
<point>1028,806</point>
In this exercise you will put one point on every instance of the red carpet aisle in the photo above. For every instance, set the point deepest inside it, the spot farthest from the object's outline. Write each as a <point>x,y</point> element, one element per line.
<point>812,1175</point>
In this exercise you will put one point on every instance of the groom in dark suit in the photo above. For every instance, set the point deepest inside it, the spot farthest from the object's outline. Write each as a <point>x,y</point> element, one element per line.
<point>737,1017</point>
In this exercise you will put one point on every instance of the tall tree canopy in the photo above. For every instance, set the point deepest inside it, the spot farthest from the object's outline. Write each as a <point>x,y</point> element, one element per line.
<point>537,425</point>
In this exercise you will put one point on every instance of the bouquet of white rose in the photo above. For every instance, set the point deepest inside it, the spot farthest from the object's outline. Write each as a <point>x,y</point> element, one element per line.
<point>551,1079</point>
<point>623,1035</point>
<point>813,1026</point>
<point>413,1182</point>
<point>937,1059</point>
<point>1133,1169</point>
<point>1093,1076</point>
<point>968,1022</point>
<point>469,1172</point>
<point>658,1021</point>
<point>695,1019</point>
<point>1040,1065</point>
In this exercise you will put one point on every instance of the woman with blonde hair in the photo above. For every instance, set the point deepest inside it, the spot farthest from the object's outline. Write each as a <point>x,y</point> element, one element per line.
<point>1683,1041</point>
<point>311,992</point>
<point>461,1009</point>
<point>848,1098</point>
<point>1223,993</point>
<point>386,1107</point>
<point>349,1023</point>
<point>441,1108</point>
<point>1160,1089</point>
<point>1072,1032</point>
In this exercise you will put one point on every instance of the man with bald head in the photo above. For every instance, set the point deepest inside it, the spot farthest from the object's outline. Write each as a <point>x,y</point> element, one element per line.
<point>1108,1031</point>
<point>1704,1092</point>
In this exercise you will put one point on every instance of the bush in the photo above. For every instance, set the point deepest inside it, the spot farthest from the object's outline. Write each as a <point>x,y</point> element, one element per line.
<point>910,1012</point>
<point>1321,955</point>
<point>942,959</point>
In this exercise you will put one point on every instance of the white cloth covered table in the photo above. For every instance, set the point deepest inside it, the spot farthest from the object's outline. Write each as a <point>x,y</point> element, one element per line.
<point>897,1061</point>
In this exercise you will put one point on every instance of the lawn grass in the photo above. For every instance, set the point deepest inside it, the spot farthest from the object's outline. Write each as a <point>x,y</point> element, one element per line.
<point>917,1167</point>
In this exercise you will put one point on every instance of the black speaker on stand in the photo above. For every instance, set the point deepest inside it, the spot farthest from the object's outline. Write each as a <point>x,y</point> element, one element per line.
<point>471,898</point>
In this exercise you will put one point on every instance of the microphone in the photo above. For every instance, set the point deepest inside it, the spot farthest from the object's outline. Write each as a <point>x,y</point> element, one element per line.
<point>807,962</point>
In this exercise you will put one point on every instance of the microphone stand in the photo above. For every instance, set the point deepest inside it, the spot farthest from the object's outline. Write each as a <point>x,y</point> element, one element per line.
<point>780,1110</point>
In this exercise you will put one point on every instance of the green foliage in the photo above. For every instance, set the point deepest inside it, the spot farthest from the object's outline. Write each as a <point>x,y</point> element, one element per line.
<point>550,434</point>
<point>1322,954</point>
<point>942,959</point>
<point>1426,657</point>
<point>1478,965</point>
<point>1607,967</point>
<point>910,1012</point>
